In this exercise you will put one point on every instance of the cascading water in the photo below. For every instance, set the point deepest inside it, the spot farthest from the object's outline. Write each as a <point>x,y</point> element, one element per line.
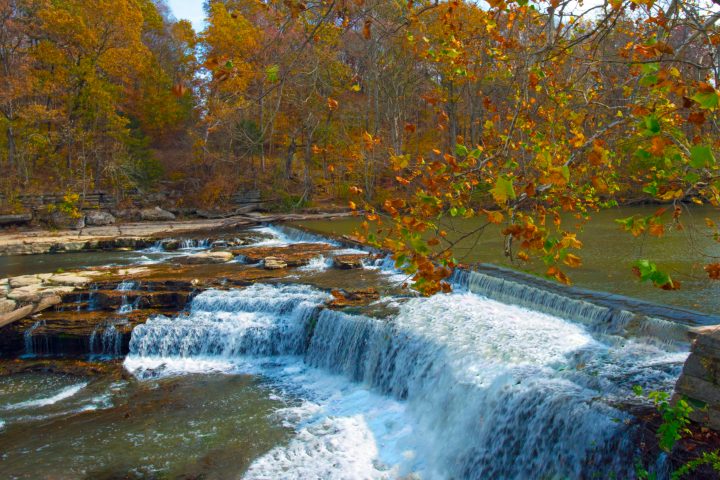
<point>126,286</point>
<point>612,319</point>
<point>317,264</point>
<point>259,320</point>
<point>465,386</point>
<point>33,345</point>
<point>282,235</point>
<point>105,341</point>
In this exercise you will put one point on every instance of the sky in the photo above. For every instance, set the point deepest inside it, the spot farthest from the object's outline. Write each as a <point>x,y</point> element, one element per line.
<point>189,10</point>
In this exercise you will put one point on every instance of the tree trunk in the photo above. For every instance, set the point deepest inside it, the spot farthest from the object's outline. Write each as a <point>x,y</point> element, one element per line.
<point>289,158</point>
<point>11,149</point>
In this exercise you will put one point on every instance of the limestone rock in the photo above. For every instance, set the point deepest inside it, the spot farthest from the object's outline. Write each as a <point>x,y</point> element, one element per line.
<point>353,298</point>
<point>349,262</point>
<point>207,257</point>
<point>64,221</point>
<point>16,315</point>
<point>69,279</point>
<point>15,219</point>
<point>7,306</point>
<point>99,218</point>
<point>35,293</point>
<point>24,281</point>
<point>47,302</point>
<point>700,376</point>
<point>274,263</point>
<point>156,214</point>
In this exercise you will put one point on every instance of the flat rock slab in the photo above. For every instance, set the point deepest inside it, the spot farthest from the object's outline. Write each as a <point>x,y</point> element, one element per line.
<point>295,255</point>
<point>206,257</point>
<point>349,261</point>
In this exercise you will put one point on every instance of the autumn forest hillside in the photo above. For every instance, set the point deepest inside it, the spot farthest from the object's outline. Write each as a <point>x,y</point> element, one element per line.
<point>514,112</point>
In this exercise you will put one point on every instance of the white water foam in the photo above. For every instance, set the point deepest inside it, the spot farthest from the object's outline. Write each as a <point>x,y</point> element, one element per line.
<point>287,236</point>
<point>42,402</point>
<point>317,264</point>
<point>454,386</point>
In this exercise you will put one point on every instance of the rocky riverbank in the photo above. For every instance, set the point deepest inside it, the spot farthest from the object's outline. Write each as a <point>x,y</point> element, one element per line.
<point>135,235</point>
<point>94,310</point>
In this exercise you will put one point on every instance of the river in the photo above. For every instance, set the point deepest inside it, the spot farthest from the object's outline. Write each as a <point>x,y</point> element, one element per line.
<point>263,382</point>
<point>607,254</point>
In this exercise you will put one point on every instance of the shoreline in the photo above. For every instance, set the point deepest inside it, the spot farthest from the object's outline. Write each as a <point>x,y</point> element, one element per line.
<point>136,234</point>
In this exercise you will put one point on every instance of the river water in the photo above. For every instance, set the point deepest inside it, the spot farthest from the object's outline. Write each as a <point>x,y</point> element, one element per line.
<point>262,383</point>
<point>608,254</point>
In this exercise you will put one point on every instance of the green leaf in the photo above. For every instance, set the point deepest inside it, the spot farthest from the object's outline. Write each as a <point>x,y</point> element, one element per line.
<point>707,100</point>
<point>503,190</point>
<point>272,72</point>
<point>566,173</point>
<point>652,123</point>
<point>701,156</point>
<point>461,150</point>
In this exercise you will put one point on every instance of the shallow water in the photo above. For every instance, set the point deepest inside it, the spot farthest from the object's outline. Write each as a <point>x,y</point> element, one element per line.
<point>209,426</point>
<point>608,254</point>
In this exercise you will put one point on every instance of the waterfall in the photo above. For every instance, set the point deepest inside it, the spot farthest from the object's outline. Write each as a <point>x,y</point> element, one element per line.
<point>487,390</point>
<point>283,235</point>
<point>259,320</point>
<point>126,286</point>
<point>32,347</point>
<point>507,392</point>
<point>195,244</point>
<point>317,264</point>
<point>602,313</point>
<point>105,340</point>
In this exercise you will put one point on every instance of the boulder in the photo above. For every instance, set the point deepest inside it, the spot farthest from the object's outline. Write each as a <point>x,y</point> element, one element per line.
<point>7,306</point>
<point>207,257</point>
<point>64,221</point>
<point>349,262</point>
<point>99,218</point>
<point>131,214</point>
<point>156,214</point>
<point>274,263</point>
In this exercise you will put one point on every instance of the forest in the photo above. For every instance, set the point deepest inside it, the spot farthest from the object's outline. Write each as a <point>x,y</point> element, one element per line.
<point>515,112</point>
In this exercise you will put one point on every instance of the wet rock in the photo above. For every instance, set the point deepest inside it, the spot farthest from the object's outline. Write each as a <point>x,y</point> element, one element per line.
<point>73,246</point>
<point>349,262</point>
<point>295,255</point>
<point>353,298</point>
<point>207,257</point>
<point>171,245</point>
<point>156,214</point>
<point>274,263</point>
<point>98,218</point>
